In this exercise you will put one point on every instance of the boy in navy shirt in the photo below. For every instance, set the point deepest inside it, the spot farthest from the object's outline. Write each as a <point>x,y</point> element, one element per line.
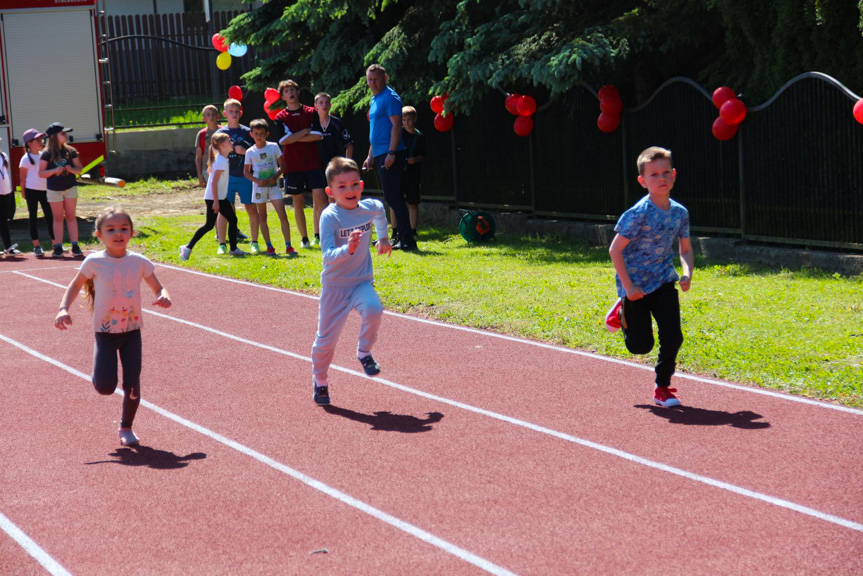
<point>643,257</point>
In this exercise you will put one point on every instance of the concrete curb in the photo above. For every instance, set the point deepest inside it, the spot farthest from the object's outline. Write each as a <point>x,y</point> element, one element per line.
<point>722,250</point>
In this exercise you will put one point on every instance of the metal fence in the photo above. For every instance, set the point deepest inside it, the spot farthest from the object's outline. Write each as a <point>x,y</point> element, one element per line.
<point>793,173</point>
<point>163,65</point>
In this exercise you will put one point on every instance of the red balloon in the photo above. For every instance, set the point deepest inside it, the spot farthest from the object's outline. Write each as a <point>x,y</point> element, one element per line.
<point>733,111</point>
<point>271,110</point>
<point>608,91</point>
<point>437,104</point>
<point>512,103</point>
<point>235,92</point>
<point>271,95</point>
<point>858,111</point>
<point>723,131</point>
<point>611,105</point>
<point>722,95</point>
<point>444,123</point>
<point>219,43</point>
<point>523,125</point>
<point>526,106</point>
<point>608,122</point>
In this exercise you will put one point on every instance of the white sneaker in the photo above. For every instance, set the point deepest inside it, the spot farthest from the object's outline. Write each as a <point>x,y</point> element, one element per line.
<point>185,252</point>
<point>238,252</point>
<point>127,437</point>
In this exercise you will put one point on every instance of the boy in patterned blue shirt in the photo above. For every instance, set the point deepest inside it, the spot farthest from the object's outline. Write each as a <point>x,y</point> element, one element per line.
<point>643,255</point>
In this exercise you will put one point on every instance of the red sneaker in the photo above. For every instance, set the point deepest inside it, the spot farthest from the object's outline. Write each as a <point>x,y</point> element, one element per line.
<point>291,252</point>
<point>666,397</point>
<point>612,319</point>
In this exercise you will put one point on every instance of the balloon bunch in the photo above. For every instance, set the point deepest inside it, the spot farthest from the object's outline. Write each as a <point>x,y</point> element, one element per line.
<point>272,101</point>
<point>523,107</point>
<point>442,123</point>
<point>223,60</point>
<point>610,106</point>
<point>732,111</point>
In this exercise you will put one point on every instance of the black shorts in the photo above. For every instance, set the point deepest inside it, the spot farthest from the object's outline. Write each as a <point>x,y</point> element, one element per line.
<point>298,182</point>
<point>411,187</point>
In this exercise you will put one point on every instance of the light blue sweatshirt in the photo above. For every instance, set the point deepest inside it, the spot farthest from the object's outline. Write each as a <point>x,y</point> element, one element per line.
<point>341,268</point>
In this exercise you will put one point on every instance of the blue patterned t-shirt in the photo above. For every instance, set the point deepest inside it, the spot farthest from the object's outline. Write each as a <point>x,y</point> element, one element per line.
<point>651,231</point>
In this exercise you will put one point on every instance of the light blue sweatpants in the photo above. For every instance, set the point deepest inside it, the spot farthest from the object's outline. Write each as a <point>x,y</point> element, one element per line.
<point>335,305</point>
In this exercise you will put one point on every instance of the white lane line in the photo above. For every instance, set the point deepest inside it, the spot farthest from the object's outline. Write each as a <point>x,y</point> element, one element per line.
<point>393,521</point>
<point>41,268</point>
<point>738,387</point>
<point>534,427</point>
<point>33,549</point>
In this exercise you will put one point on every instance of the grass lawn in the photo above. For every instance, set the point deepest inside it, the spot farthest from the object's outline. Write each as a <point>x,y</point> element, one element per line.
<point>795,331</point>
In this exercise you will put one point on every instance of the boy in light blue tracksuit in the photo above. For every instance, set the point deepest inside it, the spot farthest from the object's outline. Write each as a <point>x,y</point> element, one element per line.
<point>347,278</point>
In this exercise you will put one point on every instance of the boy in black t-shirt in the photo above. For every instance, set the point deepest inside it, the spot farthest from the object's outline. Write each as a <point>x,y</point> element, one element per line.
<point>336,139</point>
<point>416,145</point>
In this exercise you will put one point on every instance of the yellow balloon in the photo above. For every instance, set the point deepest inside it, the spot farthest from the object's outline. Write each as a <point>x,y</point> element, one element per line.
<point>223,61</point>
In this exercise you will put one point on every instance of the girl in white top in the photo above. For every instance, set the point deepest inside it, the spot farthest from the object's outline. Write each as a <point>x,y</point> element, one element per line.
<point>112,279</point>
<point>7,202</point>
<point>216,197</point>
<point>34,188</point>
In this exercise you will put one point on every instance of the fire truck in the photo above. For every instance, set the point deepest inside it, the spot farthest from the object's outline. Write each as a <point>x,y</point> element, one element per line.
<point>51,71</point>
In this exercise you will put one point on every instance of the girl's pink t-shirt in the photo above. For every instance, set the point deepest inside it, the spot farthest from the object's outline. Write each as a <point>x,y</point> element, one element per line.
<point>117,281</point>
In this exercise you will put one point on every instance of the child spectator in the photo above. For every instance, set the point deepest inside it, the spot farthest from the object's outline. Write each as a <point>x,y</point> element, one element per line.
<point>210,116</point>
<point>60,166</point>
<point>347,277</point>
<point>117,314</point>
<point>302,159</point>
<point>215,197</point>
<point>7,200</point>
<point>643,252</point>
<point>238,185</point>
<point>34,189</point>
<point>263,166</point>
<point>336,140</point>
<point>415,143</point>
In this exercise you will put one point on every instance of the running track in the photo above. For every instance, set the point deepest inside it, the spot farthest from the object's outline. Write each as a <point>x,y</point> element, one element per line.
<point>472,453</point>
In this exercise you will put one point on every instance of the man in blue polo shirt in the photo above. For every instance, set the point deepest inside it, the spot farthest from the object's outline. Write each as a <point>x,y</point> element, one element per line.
<point>387,152</point>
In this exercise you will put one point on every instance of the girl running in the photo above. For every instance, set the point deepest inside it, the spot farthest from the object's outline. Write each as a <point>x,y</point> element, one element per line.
<point>60,166</point>
<point>34,189</point>
<point>112,282</point>
<point>216,196</point>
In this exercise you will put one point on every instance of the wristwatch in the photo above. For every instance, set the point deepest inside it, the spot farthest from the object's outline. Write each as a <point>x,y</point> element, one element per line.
<point>391,152</point>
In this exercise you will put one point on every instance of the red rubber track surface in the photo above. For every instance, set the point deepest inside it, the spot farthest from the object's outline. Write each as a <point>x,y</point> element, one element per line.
<point>562,475</point>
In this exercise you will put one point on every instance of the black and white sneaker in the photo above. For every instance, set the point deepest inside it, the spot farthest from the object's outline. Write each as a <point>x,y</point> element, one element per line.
<point>57,252</point>
<point>76,251</point>
<point>322,395</point>
<point>371,367</point>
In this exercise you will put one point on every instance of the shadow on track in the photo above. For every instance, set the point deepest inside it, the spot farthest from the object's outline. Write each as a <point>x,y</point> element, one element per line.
<point>388,421</point>
<point>150,457</point>
<point>691,416</point>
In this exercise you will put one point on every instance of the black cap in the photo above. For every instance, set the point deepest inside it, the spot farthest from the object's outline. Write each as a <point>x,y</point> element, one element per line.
<point>56,128</point>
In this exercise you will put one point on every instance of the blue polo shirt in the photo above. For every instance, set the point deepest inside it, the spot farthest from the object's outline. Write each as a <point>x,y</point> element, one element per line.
<point>384,105</point>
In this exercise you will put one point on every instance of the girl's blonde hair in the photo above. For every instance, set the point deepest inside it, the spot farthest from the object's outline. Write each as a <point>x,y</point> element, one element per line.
<point>57,151</point>
<point>89,287</point>
<point>215,142</point>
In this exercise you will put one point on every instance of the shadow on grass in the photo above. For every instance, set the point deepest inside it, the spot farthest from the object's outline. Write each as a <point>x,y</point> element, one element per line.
<point>387,421</point>
<point>150,457</point>
<point>692,416</point>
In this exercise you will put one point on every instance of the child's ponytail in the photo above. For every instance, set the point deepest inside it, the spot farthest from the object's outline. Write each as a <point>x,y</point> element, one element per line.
<point>215,142</point>
<point>90,294</point>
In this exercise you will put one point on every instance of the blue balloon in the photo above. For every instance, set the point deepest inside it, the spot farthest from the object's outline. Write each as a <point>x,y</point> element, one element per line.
<point>237,50</point>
